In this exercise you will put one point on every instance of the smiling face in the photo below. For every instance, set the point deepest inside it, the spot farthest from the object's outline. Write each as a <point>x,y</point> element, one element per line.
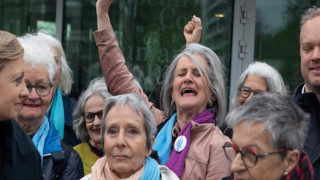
<point>125,141</point>
<point>257,138</point>
<point>310,54</point>
<point>35,106</point>
<point>94,104</point>
<point>12,89</point>
<point>190,90</point>
<point>255,83</point>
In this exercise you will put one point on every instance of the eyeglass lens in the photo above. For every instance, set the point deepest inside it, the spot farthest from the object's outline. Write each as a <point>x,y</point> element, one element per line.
<point>89,116</point>
<point>246,91</point>
<point>248,156</point>
<point>42,89</point>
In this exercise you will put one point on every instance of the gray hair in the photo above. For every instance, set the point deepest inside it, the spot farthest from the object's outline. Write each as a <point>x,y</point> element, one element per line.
<point>37,53</point>
<point>138,105</point>
<point>96,86</point>
<point>284,121</point>
<point>66,78</point>
<point>309,14</point>
<point>272,77</point>
<point>214,77</point>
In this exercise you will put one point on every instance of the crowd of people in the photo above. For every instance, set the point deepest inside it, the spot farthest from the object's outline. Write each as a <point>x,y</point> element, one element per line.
<point>114,132</point>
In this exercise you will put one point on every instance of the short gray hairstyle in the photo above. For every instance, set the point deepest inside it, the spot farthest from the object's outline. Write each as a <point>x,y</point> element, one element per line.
<point>272,77</point>
<point>214,77</point>
<point>96,86</point>
<point>66,77</point>
<point>136,104</point>
<point>309,14</point>
<point>285,122</point>
<point>37,53</point>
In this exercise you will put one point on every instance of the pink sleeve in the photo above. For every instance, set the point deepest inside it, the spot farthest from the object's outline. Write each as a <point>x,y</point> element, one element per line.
<point>118,78</point>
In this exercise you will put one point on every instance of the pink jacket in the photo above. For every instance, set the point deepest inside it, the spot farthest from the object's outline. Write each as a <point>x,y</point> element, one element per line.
<point>205,158</point>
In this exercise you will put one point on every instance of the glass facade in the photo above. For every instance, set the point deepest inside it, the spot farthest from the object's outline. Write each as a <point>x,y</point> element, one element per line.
<point>149,32</point>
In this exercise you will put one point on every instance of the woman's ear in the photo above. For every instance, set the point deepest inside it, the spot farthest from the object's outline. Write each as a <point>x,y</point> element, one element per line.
<point>150,149</point>
<point>291,160</point>
<point>213,97</point>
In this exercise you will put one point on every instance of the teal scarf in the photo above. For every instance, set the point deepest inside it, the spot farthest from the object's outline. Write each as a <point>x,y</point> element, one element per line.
<point>40,137</point>
<point>151,170</point>
<point>57,112</point>
<point>163,141</point>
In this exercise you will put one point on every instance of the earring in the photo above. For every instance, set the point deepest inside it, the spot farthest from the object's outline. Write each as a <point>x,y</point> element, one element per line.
<point>285,173</point>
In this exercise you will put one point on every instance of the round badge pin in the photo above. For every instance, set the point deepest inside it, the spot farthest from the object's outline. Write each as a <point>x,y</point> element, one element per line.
<point>180,143</point>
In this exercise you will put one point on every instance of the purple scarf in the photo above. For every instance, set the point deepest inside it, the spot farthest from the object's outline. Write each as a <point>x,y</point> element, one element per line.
<point>177,159</point>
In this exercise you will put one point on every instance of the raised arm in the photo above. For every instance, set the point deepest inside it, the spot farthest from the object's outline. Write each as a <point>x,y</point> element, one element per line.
<point>192,30</point>
<point>118,78</point>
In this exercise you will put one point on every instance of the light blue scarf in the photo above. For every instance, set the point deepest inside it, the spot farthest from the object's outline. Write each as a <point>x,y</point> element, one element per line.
<point>57,112</point>
<point>40,137</point>
<point>151,170</point>
<point>163,141</point>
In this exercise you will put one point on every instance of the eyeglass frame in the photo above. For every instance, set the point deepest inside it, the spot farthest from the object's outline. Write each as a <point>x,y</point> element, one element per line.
<point>250,91</point>
<point>98,113</point>
<point>35,88</point>
<point>257,156</point>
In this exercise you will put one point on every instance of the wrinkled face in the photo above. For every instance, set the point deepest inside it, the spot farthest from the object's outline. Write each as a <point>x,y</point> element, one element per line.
<point>310,54</point>
<point>35,106</point>
<point>267,168</point>
<point>94,104</point>
<point>12,89</point>
<point>256,83</point>
<point>190,90</point>
<point>125,141</point>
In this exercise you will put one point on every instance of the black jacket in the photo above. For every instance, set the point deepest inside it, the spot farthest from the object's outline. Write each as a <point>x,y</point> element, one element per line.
<point>19,159</point>
<point>63,165</point>
<point>310,104</point>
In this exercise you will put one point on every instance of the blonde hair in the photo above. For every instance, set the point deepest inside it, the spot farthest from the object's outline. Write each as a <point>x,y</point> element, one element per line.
<point>10,48</point>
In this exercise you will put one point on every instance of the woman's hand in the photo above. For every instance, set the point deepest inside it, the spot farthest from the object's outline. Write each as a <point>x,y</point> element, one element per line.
<point>102,8</point>
<point>192,30</point>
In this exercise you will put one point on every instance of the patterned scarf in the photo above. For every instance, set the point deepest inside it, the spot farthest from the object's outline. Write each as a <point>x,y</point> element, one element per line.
<point>98,146</point>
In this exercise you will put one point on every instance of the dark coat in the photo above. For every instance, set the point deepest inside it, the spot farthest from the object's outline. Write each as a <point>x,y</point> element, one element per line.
<point>60,159</point>
<point>19,158</point>
<point>73,169</point>
<point>310,104</point>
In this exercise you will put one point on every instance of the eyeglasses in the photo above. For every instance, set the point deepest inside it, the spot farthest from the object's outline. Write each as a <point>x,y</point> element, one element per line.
<point>249,155</point>
<point>42,89</point>
<point>246,91</point>
<point>90,116</point>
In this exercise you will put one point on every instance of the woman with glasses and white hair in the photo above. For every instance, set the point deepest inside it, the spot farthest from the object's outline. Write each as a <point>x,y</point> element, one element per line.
<point>87,122</point>
<point>268,136</point>
<point>58,159</point>
<point>61,108</point>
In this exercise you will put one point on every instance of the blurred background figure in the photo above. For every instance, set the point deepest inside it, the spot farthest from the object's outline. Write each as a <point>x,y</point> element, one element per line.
<point>128,133</point>
<point>61,108</point>
<point>58,159</point>
<point>19,159</point>
<point>268,136</point>
<point>87,122</point>
<point>259,77</point>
